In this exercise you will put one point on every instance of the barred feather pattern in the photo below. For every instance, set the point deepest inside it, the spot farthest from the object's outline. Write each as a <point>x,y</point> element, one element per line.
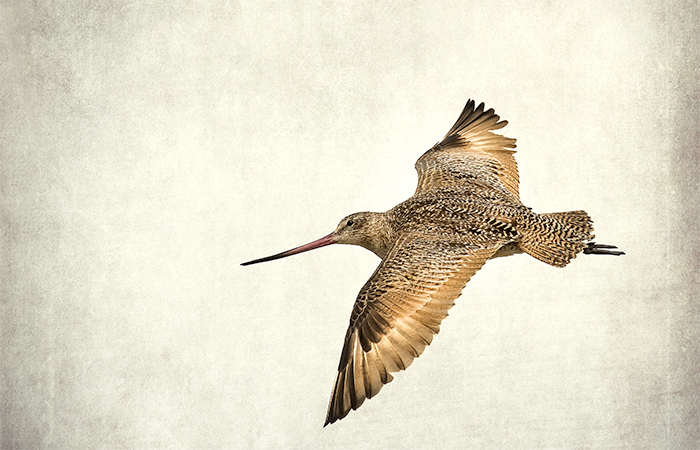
<point>398,312</point>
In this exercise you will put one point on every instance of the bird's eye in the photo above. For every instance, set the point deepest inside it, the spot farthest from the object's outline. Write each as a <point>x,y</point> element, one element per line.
<point>350,222</point>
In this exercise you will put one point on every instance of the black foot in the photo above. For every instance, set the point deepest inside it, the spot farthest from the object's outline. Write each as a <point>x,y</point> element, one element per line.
<point>601,249</point>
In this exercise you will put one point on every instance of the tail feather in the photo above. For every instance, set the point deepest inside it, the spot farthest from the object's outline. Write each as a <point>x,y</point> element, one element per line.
<point>556,238</point>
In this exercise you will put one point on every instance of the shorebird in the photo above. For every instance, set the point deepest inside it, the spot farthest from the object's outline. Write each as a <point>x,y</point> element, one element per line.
<point>465,211</point>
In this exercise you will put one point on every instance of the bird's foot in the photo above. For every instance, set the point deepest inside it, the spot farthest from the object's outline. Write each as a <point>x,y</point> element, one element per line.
<point>601,249</point>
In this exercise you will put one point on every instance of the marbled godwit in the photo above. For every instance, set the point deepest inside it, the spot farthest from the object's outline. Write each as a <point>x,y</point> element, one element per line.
<point>466,210</point>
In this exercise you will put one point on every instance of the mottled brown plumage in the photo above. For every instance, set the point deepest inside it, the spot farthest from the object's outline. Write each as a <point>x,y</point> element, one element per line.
<point>466,210</point>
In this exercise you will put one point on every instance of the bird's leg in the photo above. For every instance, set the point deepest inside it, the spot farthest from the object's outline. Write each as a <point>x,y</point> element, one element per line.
<point>601,249</point>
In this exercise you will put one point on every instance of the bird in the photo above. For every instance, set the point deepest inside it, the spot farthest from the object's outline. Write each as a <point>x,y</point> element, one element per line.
<point>465,211</point>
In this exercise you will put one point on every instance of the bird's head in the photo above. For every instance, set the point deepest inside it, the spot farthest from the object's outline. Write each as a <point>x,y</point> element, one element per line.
<point>366,229</point>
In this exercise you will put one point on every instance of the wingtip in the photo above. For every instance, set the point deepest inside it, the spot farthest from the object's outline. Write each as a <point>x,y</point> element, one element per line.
<point>330,420</point>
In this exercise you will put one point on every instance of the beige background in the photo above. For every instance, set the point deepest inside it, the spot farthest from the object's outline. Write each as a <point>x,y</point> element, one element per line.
<point>150,147</point>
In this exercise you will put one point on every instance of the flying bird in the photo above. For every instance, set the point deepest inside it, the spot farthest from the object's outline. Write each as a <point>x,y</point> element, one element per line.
<point>465,211</point>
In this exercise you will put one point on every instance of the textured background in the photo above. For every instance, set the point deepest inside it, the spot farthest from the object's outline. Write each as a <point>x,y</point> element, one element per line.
<point>150,147</point>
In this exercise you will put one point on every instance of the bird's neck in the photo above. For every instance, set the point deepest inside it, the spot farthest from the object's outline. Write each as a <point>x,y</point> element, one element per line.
<point>381,238</point>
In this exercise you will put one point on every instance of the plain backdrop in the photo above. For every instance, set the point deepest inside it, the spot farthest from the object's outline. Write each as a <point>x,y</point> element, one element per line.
<point>148,148</point>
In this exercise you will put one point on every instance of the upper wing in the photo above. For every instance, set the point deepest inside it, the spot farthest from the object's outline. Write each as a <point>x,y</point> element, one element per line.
<point>471,154</point>
<point>398,311</point>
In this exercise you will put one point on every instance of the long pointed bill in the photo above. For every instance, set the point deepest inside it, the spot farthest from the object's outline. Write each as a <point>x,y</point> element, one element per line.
<point>325,240</point>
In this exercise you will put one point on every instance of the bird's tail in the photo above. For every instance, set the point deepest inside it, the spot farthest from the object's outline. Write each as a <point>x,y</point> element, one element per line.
<point>556,238</point>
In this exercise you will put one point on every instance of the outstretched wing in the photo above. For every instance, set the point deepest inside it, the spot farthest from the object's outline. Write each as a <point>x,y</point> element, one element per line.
<point>398,311</point>
<point>471,154</point>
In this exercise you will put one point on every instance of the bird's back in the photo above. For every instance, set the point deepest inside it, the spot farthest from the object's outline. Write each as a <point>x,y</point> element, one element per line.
<point>481,214</point>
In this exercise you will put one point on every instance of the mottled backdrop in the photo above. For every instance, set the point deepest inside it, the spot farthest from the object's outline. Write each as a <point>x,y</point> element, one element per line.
<point>150,147</point>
